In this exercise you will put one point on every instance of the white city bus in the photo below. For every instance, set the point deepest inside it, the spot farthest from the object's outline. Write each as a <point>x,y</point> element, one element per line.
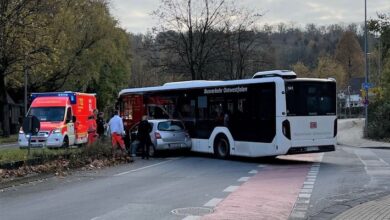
<point>274,113</point>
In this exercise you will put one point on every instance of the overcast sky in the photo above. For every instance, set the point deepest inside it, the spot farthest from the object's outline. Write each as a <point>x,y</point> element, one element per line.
<point>134,15</point>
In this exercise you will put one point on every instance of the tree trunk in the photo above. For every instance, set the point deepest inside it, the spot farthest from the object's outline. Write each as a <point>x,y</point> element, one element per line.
<point>5,106</point>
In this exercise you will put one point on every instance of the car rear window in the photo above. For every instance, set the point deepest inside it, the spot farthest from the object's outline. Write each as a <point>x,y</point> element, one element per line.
<point>170,126</point>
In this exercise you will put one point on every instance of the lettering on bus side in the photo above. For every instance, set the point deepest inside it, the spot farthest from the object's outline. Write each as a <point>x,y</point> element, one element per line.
<point>239,89</point>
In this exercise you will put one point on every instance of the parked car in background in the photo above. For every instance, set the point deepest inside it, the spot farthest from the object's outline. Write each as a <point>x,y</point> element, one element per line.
<point>166,134</point>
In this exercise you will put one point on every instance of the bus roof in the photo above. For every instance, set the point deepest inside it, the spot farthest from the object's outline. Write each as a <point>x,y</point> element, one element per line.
<point>206,83</point>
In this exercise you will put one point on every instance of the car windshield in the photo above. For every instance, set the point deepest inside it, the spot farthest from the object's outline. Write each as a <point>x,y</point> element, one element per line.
<point>48,114</point>
<point>170,126</point>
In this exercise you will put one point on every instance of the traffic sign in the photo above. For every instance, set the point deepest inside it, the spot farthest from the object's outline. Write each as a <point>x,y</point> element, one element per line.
<point>367,85</point>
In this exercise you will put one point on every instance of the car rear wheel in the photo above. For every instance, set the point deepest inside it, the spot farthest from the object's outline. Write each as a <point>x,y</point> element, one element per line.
<point>221,147</point>
<point>152,151</point>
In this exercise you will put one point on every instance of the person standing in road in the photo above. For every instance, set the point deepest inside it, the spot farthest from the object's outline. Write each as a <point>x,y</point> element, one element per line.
<point>100,125</point>
<point>144,129</point>
<point>117,130</point>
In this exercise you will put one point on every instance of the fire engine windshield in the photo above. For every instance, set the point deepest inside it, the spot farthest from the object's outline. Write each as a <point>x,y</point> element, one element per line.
<point>49,114</point>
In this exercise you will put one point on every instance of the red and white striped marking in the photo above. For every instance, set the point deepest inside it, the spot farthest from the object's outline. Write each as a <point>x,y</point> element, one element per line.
<point>271,193</point>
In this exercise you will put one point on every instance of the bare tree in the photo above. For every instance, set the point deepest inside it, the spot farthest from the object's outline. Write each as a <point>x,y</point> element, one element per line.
<point>195,23</point>
<point>241,40</point>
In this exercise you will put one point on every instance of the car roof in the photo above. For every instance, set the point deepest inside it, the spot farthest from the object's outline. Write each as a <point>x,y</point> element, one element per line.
<point>162,120</point>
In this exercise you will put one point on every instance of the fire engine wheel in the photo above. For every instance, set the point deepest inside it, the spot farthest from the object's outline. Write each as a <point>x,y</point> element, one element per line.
<point>221,147</point>
<point>65,143</point>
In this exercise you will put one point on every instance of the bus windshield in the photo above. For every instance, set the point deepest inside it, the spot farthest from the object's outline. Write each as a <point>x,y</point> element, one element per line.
<point>48,114</point>
<point>309,98</point>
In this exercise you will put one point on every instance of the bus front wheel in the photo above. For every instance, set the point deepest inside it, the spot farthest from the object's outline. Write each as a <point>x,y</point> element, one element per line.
<point>221,147</point>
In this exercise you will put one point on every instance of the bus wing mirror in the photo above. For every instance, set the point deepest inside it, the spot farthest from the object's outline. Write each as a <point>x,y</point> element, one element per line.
<point>73,119</point>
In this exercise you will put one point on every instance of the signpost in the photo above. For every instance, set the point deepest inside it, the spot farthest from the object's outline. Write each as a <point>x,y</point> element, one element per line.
<point>367,85</point>
<point>31,126</point>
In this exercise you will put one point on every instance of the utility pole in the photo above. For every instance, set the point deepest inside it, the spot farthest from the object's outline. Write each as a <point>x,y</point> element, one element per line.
<point>366,69</point>
<point>25,89</point>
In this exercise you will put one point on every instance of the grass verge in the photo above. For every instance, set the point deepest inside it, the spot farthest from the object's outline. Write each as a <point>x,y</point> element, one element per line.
<point>11,139</point>
<point>57,161</point>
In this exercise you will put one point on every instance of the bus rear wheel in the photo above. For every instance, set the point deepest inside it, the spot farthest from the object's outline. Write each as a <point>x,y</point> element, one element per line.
<point>221,147</point>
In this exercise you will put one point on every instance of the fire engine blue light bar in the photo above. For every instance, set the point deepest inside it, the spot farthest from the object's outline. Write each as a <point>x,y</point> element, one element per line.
<point>70,95</point>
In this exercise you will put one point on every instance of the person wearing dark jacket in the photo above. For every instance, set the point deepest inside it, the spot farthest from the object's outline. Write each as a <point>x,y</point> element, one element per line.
<point>144,128</point>
<point>100,125</point>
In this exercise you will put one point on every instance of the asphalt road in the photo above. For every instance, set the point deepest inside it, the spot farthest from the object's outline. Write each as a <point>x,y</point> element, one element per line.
<point>321,187</point>
<point>10,145</point>
<point>143,190</point>
<point>348,177</point>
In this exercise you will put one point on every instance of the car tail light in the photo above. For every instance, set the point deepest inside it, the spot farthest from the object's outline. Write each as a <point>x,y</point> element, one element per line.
<point>157,135</point>
<point>335,128</point>
<point>286,129</point>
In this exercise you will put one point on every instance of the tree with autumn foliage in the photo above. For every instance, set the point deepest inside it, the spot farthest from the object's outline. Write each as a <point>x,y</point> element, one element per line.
<point>327,67</point>
<point>65,45</point>
<point>302,70</point>
<point>350,55</point>
<point>379,109</point>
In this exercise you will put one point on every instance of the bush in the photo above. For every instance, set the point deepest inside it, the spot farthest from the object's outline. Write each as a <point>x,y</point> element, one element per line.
<point>379,119</point>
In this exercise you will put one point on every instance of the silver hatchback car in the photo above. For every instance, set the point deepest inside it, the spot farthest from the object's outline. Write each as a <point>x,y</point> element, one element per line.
<point>166,134</point>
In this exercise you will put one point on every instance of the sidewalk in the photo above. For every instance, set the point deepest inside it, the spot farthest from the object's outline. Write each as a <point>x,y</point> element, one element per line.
<point>350,133</point>
<point>376,209</point>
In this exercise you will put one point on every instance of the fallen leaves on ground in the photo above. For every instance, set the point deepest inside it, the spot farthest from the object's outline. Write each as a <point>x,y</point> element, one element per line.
<point>60,167</point>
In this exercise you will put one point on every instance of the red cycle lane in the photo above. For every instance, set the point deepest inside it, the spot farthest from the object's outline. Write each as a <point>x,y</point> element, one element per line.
<point>271,194</point>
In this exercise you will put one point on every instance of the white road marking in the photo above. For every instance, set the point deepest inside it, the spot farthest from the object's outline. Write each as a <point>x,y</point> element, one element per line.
<point>302,204</point>
<point>142,168</point>
<point>298,214</point>
<point>253,172</point>
<point>213,202</point>
<point>304,195</point>
<point>192,217</point>
<point>303,201</point>
<point>231,189</point>
<point>119,213</point>
<point>307,190</point>
<point>243,179</point>
<point>262,166</point>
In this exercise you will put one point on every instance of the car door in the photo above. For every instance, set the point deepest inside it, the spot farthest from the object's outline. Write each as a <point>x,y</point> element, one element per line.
<point>70,126</point>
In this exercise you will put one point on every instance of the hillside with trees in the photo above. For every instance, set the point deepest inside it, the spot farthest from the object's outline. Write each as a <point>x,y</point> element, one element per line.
<point>77,45</point>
